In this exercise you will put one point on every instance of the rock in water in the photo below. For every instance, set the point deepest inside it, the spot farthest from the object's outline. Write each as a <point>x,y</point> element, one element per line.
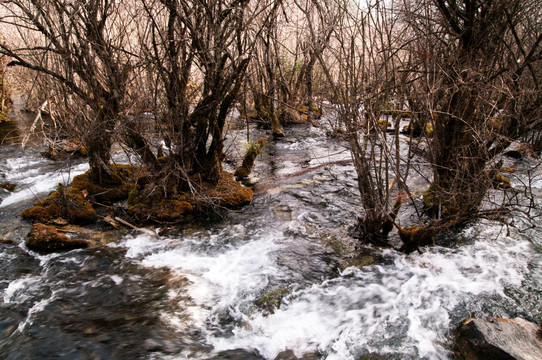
<point>46,239</point>
<point>499,339</point>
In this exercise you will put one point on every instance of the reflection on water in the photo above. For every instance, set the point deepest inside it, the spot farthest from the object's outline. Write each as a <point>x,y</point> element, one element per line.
<point>9,133</point>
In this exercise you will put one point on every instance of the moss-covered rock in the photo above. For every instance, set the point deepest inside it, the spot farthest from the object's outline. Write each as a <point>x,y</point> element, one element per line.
<point>67,203</point>
<point>384,124</point>
<point>227,193</point>
<point>360,260</point>
<point>270,301</point>
<point>415,236</point>
<point>46,239</point>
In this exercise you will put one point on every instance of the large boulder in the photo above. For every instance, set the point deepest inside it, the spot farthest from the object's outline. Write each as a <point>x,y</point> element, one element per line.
<point>47,239</point>
<point>499,339</point>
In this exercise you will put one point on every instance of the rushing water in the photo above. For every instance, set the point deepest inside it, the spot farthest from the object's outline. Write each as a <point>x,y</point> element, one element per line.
<point>199,292</point>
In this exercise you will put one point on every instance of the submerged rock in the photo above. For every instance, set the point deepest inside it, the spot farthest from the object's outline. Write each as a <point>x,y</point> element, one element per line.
<point>237,354</point>
<point>496,339</point>
<point>270,300</point>
<point>290,355</point>
<point>46,239</point>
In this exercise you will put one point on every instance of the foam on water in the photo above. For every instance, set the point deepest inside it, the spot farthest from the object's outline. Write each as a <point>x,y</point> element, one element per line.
<point>404,307</point>
<point>223,275</point>
<point>18,290</point>
<point>32,180</point>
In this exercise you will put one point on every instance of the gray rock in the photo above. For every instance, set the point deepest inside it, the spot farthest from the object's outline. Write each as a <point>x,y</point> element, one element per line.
<point>499,339</point>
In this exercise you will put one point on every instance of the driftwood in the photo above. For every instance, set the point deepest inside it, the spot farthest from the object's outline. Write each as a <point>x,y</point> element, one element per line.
<point>142,230</point>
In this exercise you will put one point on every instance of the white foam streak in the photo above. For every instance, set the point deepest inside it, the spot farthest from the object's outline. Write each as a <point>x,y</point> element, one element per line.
<point>17,290</point>
<point>225,278</point>
<point>30,183</point>
<point>403,307</point>
<point>360,312</point>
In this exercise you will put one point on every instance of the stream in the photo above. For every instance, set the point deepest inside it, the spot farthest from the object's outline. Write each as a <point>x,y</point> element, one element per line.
<point>278,279</point>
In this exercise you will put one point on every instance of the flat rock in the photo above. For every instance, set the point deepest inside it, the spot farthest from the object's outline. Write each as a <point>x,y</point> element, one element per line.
<point>499,339</point>
<point>47,239</point>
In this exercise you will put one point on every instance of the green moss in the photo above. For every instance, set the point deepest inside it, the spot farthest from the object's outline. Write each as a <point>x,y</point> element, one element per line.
<point>270,300</point>
<point>429,198</point>
<point>132,195</point>
<point>226,193</point>
<point>252,151</point>
<point>125,179</point>
<point>339,247</point>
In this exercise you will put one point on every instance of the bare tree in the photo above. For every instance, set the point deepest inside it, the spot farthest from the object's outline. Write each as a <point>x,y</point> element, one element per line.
<point>479,85</point>
<point>281,79</point>
<point>4,96</point>
<point>198,52</point>
<point>82,46</point>
<point>362,65</point>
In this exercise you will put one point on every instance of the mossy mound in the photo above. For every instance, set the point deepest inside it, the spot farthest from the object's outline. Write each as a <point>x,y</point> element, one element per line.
<point>227,193</point>
<point>105,194</point>
<point>74,203</point>
<point>125,178</point>
<point>165,210</point>
<point>67,203</point>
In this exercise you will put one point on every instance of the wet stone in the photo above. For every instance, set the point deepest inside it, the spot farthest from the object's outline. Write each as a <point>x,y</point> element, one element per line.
<point>499,339</point>
<point>290,355</point>
<point>46,239</point>
<point>237,354</point>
